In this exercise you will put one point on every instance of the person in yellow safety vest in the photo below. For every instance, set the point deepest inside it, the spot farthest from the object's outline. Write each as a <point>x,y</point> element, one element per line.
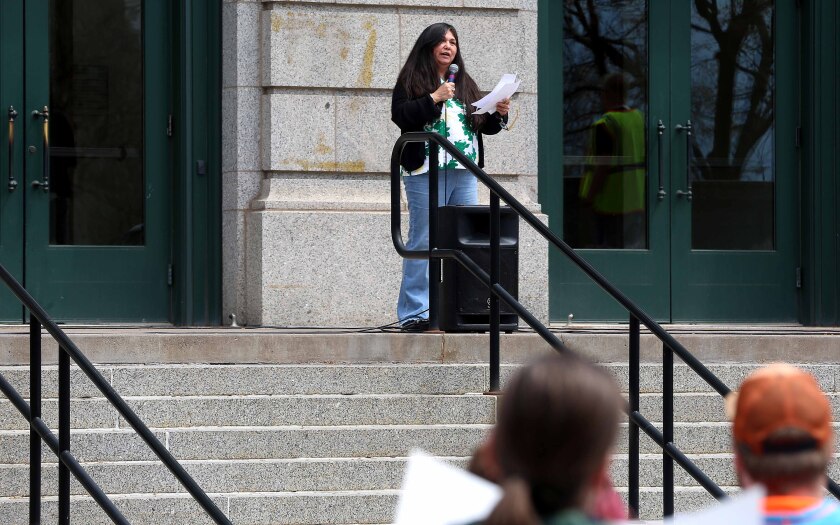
<point>614,180</point>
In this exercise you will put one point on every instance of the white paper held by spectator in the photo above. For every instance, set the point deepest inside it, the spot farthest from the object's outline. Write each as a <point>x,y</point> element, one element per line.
<point>436,493</point>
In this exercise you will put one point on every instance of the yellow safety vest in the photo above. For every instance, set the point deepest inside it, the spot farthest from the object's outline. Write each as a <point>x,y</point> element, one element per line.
<point>623,190</point>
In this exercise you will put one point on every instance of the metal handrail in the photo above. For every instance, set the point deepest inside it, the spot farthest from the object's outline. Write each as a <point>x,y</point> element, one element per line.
<point>61,446</point>
<point>550,236</point>
<point>670,345</point>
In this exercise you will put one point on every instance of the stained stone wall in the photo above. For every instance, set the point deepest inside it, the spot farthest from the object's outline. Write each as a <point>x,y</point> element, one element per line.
<point>307,140</point>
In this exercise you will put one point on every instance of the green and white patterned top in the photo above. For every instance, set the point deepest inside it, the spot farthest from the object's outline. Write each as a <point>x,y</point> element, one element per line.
<point>453,125</point>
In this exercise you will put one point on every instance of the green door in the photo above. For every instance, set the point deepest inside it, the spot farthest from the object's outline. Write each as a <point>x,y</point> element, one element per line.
<point>88,224</point>
<point>679,171</point>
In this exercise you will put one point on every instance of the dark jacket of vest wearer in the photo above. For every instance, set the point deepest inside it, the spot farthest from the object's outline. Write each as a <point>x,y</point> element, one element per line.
<point>413,114</point>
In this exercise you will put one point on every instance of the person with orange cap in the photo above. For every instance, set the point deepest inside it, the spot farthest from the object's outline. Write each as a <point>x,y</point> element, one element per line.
<point>783,439</point>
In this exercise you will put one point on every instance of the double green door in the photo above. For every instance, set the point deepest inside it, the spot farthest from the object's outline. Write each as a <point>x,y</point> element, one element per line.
<point>678,176</point>
<point>84,163</point>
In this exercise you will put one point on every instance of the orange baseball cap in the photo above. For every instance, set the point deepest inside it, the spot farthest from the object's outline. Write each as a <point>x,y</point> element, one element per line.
<point>777,397</point>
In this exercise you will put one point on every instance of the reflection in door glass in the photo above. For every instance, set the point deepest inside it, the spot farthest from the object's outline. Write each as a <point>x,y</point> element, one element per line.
<point>732,105</point>
<point>96,122</point>
<point>605,69</point>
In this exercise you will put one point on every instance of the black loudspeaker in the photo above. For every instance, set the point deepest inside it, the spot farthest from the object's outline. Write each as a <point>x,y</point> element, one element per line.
<point>464,300</point>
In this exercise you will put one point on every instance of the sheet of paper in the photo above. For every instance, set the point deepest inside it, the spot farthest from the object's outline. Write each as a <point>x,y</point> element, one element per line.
<point>436,493</point>
<point>507,78</point>
<point>506,87</point>
<point>743,509</point>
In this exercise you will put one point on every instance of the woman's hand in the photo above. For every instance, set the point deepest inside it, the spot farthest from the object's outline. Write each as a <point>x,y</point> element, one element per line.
<point>503,107</point>
<point>444,92</point>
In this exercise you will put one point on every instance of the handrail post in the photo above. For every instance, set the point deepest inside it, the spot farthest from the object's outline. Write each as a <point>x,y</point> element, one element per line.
<point>63,436</point>
<point>633,428</point>
<point>434,262</point>
<point>35,413</point>
<point>668,429</point>
<point>495,228</point>
<point>60,446</point>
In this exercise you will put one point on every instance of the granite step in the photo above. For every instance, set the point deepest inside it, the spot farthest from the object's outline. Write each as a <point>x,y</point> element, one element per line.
<point>328,409</point>
<point>719,467</point>
<point>270,410</point>
<point>271,508</point>
<point>263,475</point>
<point>451,379</point>
<point>282,442</point>
<point>313,474</point>
<point>275,508</point>
<point>222,380</point>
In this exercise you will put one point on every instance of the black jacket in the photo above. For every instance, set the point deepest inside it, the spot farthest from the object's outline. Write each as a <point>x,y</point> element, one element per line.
<point>413,114</point>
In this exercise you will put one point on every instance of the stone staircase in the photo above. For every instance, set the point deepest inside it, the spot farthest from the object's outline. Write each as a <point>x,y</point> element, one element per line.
<point>270,443</point>
<point>283,443</point>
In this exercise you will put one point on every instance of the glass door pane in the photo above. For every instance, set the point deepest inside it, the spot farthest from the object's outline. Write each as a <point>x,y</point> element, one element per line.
<point>733,169</point>
<point>96,123</point>
<point>605,72</point>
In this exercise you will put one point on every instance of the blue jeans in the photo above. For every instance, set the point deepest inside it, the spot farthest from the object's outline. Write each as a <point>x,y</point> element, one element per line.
<point>454,187</point>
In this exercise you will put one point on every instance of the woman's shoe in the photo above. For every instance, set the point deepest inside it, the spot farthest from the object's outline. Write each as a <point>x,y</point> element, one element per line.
<point>415,325</point>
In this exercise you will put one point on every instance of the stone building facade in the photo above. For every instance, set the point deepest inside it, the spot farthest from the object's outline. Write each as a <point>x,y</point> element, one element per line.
<point>307,140</point>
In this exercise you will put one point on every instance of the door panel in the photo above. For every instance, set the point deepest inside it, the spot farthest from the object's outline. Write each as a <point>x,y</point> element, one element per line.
<point>720,201</point>
<point>95,194</point>
<point>603,40</point>
<point>11,151</point>
<point>735,242</point>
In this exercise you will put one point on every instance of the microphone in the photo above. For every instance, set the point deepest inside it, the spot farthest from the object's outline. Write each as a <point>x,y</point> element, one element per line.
<point>453,68</point>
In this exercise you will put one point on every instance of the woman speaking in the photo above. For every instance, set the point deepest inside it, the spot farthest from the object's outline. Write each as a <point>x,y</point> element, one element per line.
<point>426,99</point>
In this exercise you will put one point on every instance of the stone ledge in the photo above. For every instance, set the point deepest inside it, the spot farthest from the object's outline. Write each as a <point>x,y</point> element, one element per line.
<point>335,191</point>
<point>530,5</point>
<point>287,346</point>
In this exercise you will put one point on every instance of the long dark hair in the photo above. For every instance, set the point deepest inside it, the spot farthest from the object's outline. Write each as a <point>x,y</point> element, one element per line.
<point>557,422</point>
<point>419,76</point>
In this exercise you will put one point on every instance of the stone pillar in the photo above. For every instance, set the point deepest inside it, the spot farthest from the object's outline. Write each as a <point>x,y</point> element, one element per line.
<point>313,247</point>
<point>241,167</point>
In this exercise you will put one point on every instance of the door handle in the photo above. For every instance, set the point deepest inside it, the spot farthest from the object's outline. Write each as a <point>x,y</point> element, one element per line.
<point>660,131</point>
<point>688,128</point>
<point>12,116</point>
<point>44,183</point>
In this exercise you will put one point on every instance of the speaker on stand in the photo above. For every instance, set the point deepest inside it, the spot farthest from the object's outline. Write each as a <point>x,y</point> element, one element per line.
<point>465,300</point>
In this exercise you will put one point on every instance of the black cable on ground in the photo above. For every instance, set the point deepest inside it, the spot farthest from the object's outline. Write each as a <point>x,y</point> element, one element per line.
<point>385,328</point>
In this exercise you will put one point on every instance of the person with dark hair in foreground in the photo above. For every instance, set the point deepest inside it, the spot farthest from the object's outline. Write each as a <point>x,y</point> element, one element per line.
<point>783,439</point>
<point>435,93</point>
<point>557,424</point>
